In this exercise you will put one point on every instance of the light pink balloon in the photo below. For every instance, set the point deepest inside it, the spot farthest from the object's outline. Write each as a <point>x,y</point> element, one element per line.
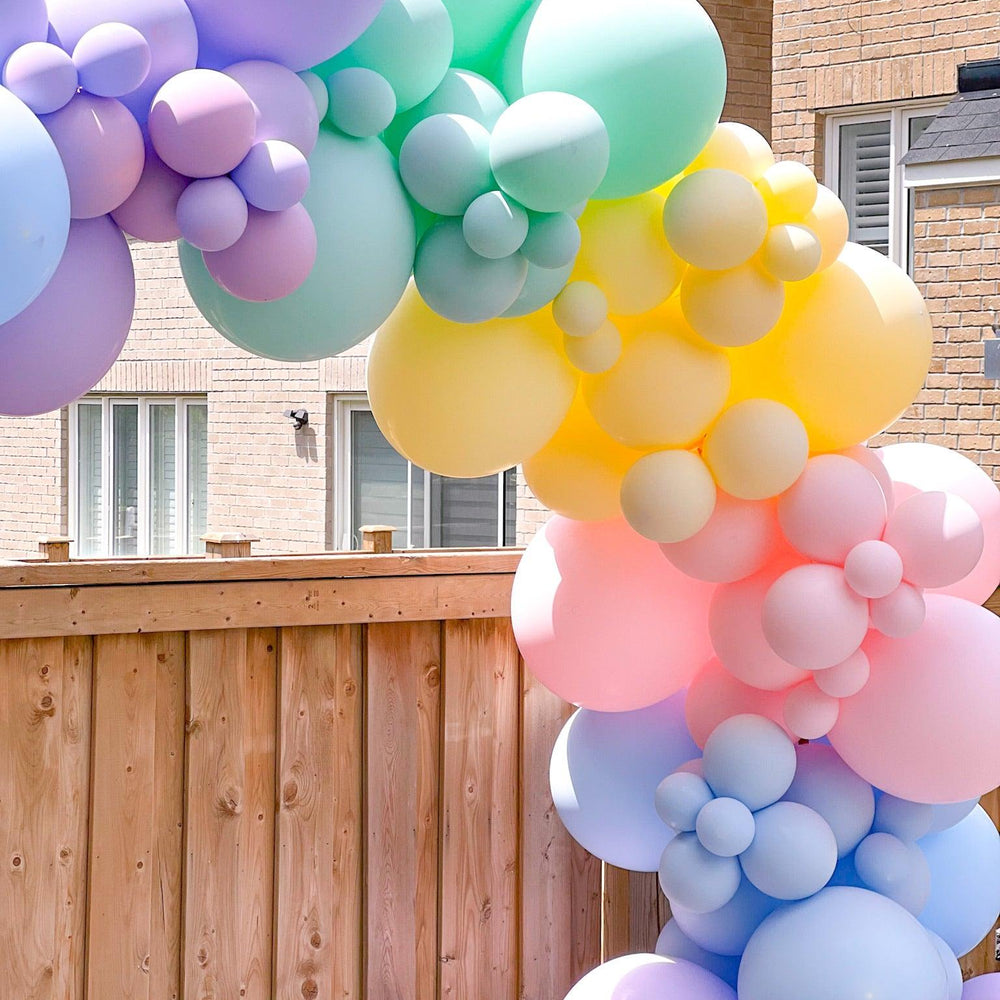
<point>873,569</point>
<point>741,537</point>
<point>845,678</point>
<point>812,619</point>
<point>900,614</point>
<point>604,620</point>
<point>870,458</point>
<point>835,504</point>
<point>272,258</point>
<point>809,712</point>
<point>150,211</point>
<point>930,467</point>
<point>924,727</point>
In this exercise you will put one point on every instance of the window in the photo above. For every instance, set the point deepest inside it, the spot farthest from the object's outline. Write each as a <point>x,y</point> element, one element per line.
<point>862,166</point>
<point>378,486</point>
<point>138,475</point>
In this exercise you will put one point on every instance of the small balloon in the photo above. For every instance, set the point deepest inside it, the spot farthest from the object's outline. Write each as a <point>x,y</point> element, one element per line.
<point>274,176</point>
<point>580,309</point>
<point>361,101</point>
<point>668,496</point>
<point>732,308</point>
<point>597,353</point>
<point>895,869</point>
<point>725,827</point>
<point>810,713</point>
<point>900,613</point>
<point>791,253</point>
<point>696,879</point>
<point>789,190</point>
<point>680,798</point>
<point>735,146</point>
<point>212,213</point>
<point>494,226</point>
<point>553,241</point>
<point>113,59</point>
<point>150,211</point>
<point>749,758</point>
<point>42,75</point>
<point>727,930</point>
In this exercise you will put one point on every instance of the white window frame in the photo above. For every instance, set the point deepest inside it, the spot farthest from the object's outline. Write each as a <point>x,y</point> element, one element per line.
<point>898,116</point>
<point>344,405</point>
<point>145,527</point>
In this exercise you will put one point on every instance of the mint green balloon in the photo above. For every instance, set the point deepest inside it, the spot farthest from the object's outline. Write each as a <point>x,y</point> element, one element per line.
<point>361,101</point>
<point>541,286</point>
<point>654,70</point>
<point>410,43</point>
<point>494,226</point>
<point>366,238</point>
<point>482,28</point>
<point>553,241</point>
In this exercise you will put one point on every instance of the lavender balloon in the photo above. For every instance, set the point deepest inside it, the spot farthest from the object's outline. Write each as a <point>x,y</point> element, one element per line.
<point>150,211</point>
<point>21,21</point>
<point>274,176</point>
<point>644,977</point>
<point>983,988</point>
<point>67,339</point>
<point>41,75</point>
<point>113,59</point>
<point>212,213</point>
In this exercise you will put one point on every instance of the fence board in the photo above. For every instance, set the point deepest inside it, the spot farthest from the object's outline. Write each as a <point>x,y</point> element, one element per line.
<point>983,958</point>
<point>479,912</point>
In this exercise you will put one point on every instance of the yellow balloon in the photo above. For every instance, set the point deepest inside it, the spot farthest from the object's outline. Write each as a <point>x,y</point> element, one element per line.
<point>791,253</point>
<point>757,449</point>
<point>667,387</point>
<point>668,496</point>
<point>789,188</point>
<point>849,354</point>
<point>735,146</point>
<point>625,252</point>
<point>732,308</point>
<point>828,220</point>
<point>715,219</point>
<point>468,400</point>
<point>596,353</point>
<point>579,472</point>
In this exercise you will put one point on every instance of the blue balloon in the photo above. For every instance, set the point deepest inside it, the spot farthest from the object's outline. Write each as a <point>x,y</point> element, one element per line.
<point>896,868</point>
<point>604,771</point>
<point>34,207</point>
<point>965,881</point>
<point>947,816</point>
<point>842,944</point>
<point>952,969</point>
<point>727,930</point>
<point>749,758</point>
<point>696,879</point>
<point>541,286</point>
<point>674,943</point>
<point>725,827</point>
<point>902,818</point>
<point>680,797</point>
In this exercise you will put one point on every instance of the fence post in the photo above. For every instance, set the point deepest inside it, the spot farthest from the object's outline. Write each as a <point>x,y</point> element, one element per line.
<point>228,545</point>
<point>55,550</point>
<point>377,538</point>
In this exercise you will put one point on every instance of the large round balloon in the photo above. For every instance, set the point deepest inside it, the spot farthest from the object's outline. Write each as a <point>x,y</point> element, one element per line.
<point>634,62</point>
<point>21,22</point>
<point>983,988</point>
<point>636,977</point>
<point>923,728</point>
<point>482,29</point>
<point>366,243</point>
<point>604,620</point>
<point>67,339</point>
<point>34,207</point>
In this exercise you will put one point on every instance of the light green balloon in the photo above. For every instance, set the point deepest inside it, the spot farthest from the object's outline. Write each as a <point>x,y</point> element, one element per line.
<point>553,241</point>
<point>459,284</point>
<point>494,226</point>
<point>410,43</point>
<point>361,101</point>
<point>482,28</point>
<point>654,70</point>
<point>366,241</point>
<point>541,286</point>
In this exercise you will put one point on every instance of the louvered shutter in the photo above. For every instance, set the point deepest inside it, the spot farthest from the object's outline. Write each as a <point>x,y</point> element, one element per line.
<point>865,169</point>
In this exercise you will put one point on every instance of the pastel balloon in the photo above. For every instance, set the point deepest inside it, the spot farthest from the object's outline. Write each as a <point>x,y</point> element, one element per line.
<point>789,189</point>
<point>674,943</point>
<point>552,241</point>
<point>870,459</point>
<point>113,59</point>
<point>845,679</point>
<point>597,353</point>
<point>668,496</point>
<point>952,969</point>
<point>894,868</point>
<point>42,76</point>
<point>649,976</point>
<point>982,987</point>
<point>947,816</point>
<point>66,340</point>
<point>810,713</point>
<point>212,213</point>
<point>922,728</point>
<point>202,123</point>
<point>680,798</point>
<point>483,28</point>
<point>732,308</point>
<point>725,827</point>
<point>727,930</point>
<point>150,211</point>
<point>102,150</point>
<point>899,614</point>
<point>603,775</point>
<point>284,105</point>
<point>791,253</point>
<point>580,309</point>
<point>494,226</point>
<point>873,569</point>
<point>903,819</point>
<point>274,176</point>
<point>318,91</point>
<point>21,22</point>
<point>735,146</point>
<point>829,221</point>
<point>697,879</point>
<point>656,121</point>
<point>749,758</point>
<point>585,589</point>
<point>541,286</point>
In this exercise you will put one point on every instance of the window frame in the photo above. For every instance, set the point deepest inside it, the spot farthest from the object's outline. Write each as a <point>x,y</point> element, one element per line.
<point>144,536</point>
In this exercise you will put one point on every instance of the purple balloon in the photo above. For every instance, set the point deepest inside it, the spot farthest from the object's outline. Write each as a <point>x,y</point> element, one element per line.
<point>274,176</point>
<point>166,25</point>
<point>41,75</point>
<point>212,214</point>
<point>21,21</point>
<point>150,211</point>
<point>113,59</point>
<point>286,108</point>
<point>66,340</point>
<point>650,977</point>
<point>983,988</point>
<point>299,35</point>
<point>101,146</point>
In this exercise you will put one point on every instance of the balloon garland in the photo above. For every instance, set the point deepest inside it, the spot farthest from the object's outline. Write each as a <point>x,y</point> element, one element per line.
<point>774,636</point>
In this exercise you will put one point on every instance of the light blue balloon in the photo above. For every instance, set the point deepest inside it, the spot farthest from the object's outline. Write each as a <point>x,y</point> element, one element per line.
<point>459,284</point>
<point>360,101</point>
<point>844,799</point>
<point>749,758</point>
<point>842,943</point>
<point>366,240</point>
<point>553,241</point>
<point>895,868</point>
<point>952,969</point>
<point>728,929</point>
<point>696,879</point>
<point>34,207</point>
<point>725,827</point>
<point>965,881</point>
<point>680,798</point>
<point>903,819</point>
<point>541,286</point>
<point>674,943</point>
<point>495,226</point>
<point>603,775</point>
<point>947,816</point>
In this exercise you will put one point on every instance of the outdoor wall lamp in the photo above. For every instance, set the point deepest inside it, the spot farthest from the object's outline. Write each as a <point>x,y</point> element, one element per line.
<point>298,417</point>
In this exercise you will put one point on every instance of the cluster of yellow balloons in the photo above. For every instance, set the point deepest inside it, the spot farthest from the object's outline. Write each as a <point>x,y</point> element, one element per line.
<point>714,333</point>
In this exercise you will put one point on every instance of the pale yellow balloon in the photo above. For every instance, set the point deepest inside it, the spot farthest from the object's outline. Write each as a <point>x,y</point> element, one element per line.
<point>732,308</point>
<point>791,253</point>
<point>597,353</point>
<point>668,496</point>
<point>757,449</point>
<point>735,146</point>
<point>667,387</point>
<point>715,219</point>
<point>580,309</point>
<point>624,251</point>
<point>849,354</point>
<point>579,472</point>
<point>468,400</point>
<point>828,220</point>
<point>789,190</point>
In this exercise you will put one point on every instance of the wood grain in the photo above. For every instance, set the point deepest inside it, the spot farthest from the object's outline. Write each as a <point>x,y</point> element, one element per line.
<point>983,958</point>
<point>402,800</point>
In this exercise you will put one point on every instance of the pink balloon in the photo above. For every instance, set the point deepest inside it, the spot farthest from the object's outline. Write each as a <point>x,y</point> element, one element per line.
<point>812,618</point>
<point>741,537</point>
<point>924,727</point>
<point>604,620</point>
<point>735,623</point>
<point>929,467</point>
<point>873,569</point>
<point>983,987</point>
<point>284,104</point>
<point>41,75</point>
<point>102,150</point>
<point>202,123</point>
<point>845,678</point>
<point>272,258</point>
<point>871,460</point>
<point>212,213</point>
<point>150,211</point>
<point>835,504</point>
<point>113,59</point>
<point>900,614</point>
<point>809,712</point>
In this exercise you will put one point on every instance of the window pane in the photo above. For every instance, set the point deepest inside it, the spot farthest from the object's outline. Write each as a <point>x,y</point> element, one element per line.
<point>465,512</point>
<point>163,478</point>
<point>418,503</point>
<point>378,481</point>
<point>865,170</point>
<point>918,126</point>
<point>197,476</point>
<point>89,496</point>
<point>510,507</point>
<point>125,479</point>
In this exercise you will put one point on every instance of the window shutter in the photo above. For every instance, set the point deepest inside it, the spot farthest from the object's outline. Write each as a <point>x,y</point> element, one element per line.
<point>378,480</point>
<point>865,172</point>
<point>466,512</point>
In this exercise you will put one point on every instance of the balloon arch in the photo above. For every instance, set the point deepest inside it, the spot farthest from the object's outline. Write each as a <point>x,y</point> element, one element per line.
<point>786,682</point>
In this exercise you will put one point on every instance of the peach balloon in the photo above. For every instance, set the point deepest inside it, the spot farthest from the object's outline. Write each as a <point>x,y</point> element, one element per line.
<point>828,219</point>
<point>809,712</point>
